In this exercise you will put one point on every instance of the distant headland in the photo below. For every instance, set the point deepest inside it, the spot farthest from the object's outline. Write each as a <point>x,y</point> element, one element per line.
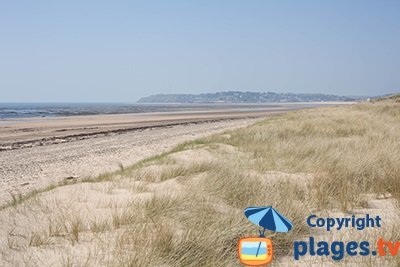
<point>242,97</point>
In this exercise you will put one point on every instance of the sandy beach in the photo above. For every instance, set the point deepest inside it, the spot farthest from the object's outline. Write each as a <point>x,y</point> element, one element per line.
<point>30,132</point>
<point>36,152</point>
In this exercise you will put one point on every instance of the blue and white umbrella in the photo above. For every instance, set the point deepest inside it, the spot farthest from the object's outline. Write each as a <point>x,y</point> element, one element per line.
<point>268,218</point>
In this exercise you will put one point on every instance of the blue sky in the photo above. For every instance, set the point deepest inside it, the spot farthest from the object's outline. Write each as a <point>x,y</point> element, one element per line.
<point>123,50</point>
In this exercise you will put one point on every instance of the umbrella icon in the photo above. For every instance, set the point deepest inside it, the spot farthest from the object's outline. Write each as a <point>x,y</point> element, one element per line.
<point>269,219</point>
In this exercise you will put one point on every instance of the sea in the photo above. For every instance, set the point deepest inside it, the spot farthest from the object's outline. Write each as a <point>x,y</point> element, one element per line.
<point>28,110</point>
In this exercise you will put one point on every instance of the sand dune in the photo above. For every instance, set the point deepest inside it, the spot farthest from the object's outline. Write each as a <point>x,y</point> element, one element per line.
<point>170,209</point>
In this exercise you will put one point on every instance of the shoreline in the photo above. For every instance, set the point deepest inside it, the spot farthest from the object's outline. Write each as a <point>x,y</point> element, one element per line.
<point>30,132</point>
<point>75,148</point>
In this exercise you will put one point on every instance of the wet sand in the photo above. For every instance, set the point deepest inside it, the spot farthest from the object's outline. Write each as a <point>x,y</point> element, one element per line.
<point>29,132</point>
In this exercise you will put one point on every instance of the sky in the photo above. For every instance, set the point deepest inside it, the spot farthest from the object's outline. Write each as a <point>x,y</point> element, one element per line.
<point>119,51</point>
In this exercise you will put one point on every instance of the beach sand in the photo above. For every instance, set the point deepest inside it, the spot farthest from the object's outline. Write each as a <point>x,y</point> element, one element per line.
<point>37,152</point>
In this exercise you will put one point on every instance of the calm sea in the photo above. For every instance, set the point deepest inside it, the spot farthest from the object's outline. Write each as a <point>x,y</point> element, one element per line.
<point>26,110</point>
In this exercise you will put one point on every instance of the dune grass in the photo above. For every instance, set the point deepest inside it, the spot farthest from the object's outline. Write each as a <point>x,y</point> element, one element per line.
<point>185,207</point>
<point>350,150</point>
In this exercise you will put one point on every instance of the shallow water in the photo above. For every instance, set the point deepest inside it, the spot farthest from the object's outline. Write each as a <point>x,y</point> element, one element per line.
<point>28,110</point>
